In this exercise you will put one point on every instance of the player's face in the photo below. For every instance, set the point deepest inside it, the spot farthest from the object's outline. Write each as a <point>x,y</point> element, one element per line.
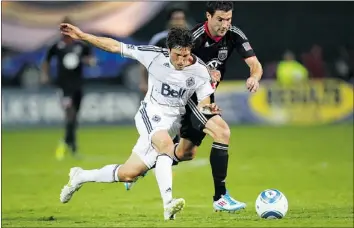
<point>220,22</point>
<point>178,19</point>
<point>180,57</point>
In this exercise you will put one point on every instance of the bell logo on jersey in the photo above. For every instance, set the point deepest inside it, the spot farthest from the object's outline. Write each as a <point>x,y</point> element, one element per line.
<point>167,91</point>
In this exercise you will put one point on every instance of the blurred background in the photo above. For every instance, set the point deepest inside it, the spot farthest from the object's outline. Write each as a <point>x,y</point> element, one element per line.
<point>307,42</point>
<point>296,133</point>
<point>297,42</point>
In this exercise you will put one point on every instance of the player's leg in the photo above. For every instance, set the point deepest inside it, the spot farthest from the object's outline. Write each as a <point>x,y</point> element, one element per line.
<point>219,130</point>
<point>162,142</point>
<point>67,103</point>
<point>126,172</point>
<point>72,122</point>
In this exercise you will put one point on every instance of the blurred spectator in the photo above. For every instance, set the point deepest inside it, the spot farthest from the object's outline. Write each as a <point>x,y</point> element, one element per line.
<point>344,62</point>
<point>290,71</point>
<point>71,55</point>
<point>314,63</point>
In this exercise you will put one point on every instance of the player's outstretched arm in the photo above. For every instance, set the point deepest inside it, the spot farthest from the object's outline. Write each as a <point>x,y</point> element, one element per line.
<point>104,43</point>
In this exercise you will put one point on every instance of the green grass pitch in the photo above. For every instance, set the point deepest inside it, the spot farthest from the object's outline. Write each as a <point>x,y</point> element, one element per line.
<point>312,166</point>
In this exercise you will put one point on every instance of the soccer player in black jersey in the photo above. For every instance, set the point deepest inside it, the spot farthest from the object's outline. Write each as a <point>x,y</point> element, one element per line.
<point>70,56</point>
<point>214,41</point>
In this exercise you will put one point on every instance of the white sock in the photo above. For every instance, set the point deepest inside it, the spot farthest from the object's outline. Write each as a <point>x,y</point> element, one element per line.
<point>106,174</point>
<point>163,173</point>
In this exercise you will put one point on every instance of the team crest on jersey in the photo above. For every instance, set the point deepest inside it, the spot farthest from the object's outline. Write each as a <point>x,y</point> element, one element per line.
<point>222,54</point>
<point>156,118</point>
<point>190,82</point>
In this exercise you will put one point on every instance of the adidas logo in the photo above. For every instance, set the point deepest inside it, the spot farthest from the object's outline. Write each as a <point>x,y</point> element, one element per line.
<point>168,190</point>
<point>207,44</point>
<point>166,64</point>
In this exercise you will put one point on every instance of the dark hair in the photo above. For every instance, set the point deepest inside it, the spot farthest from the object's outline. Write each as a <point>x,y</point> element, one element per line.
<point>179,37</point>
<point>213,6</point>
<point>174,10</point>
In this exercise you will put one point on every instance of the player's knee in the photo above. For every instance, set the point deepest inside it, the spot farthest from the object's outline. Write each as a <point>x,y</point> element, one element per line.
<point>166,146</point>
<point>221,131</point>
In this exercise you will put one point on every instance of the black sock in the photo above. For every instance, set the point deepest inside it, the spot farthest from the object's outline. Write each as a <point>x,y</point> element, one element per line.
<point>70,137</point>
<point>219,160</point>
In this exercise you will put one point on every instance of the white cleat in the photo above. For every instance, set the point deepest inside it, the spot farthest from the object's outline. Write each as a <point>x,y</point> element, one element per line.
<point>172,208</point>
<point>228,204</point>
<point>73,185</point>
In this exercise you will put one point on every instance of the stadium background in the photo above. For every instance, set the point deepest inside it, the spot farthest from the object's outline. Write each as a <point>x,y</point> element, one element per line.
<point>284,134</point>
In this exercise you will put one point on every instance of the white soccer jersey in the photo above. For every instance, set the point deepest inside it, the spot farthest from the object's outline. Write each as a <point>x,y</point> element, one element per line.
<point>167,87</point>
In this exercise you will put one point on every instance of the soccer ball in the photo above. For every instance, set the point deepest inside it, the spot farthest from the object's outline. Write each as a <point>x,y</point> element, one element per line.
<point>271,204</point>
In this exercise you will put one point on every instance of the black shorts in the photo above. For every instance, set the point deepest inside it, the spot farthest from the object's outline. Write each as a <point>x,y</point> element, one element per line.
<point>193,122</point>
<point>71,98</point>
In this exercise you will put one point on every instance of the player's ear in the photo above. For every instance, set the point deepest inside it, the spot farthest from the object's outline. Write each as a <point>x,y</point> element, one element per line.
<point>208,15</point>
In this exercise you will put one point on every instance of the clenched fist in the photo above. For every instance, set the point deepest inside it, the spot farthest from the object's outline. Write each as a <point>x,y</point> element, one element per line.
<point>71,30</point>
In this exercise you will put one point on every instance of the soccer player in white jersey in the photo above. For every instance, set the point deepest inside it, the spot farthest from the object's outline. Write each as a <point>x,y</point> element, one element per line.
<point>173,78</point>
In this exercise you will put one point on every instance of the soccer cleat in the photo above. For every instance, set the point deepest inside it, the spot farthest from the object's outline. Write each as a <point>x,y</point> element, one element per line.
<point>73,185</point>
<point>172,208</point>
<point>227,203</point>
<point>61,150</point>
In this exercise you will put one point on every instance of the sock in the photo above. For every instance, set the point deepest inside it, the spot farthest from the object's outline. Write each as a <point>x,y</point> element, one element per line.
<point>163,173</point>
<point>107,174</point>
<point>219,158</point>
<point>70,138</point>
<point>175,161</point>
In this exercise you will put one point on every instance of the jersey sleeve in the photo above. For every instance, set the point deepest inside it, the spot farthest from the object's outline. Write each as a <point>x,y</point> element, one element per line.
<point>241,43</point>
<point>197,32</point>
<point>204,88</point>
<point>144,54</point>
<point>51,52</point>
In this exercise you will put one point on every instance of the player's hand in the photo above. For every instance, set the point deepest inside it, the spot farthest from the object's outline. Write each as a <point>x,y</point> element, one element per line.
<point>252,84</point>
<point>71,30</point>
<point>210,109</point>
<point>215,75</point>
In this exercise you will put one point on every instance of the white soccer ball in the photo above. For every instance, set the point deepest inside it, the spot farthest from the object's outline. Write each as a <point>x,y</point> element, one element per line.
<point>271,204</point>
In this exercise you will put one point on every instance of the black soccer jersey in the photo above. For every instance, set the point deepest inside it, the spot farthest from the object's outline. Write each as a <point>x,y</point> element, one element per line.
<point>69,63</point>
<point>216,51</point>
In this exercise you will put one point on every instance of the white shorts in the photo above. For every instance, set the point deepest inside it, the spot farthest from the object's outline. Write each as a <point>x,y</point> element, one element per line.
<point>148,120</point>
